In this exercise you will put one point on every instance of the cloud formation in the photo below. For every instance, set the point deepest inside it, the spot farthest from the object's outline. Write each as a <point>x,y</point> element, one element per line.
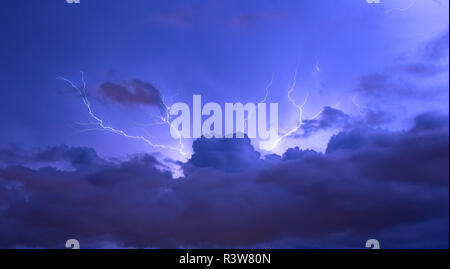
<point>333,118</point>
<point>437,48</point>
<point>132,92</point>
<point>369,184</point>
<point>229,155</point>
<point>402,79</point>
<point>189,15</point>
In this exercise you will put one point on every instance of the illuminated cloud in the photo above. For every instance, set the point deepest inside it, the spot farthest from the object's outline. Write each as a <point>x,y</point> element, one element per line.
<point>368,184</point>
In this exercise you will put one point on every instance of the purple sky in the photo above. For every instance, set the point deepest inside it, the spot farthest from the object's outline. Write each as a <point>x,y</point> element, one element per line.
<point>372,164</point>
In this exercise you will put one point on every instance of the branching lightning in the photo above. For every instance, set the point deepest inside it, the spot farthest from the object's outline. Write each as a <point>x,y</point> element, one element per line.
<point>101,125</point>
<point>299,107</point>
<point>165,119</point>
<point>300,113</point>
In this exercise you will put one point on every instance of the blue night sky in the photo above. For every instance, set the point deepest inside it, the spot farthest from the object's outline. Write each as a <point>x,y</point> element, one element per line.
<point>369,158</point>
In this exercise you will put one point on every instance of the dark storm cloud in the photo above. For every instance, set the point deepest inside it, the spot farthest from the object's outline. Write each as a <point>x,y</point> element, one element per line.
<point>430,121</point>
<point>13,155</point>
<point>230,155</point>
<point>80,158</point>
<point>371,151</point>
<point>133,92</point>
<point>369,184</point>
<point>437,48</point>
<point>386,85</point>
<point>399,80</point>
<point>332,118</point>
<point>421,69</point>
<point>329,118</point>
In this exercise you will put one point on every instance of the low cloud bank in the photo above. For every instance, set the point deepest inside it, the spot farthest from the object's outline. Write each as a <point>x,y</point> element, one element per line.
<point>369,184</point>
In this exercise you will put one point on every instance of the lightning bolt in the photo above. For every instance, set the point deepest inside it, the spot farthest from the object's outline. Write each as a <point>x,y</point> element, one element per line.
<point>166,120</point>
<point>317,67</point>
<point>101,125</point>
<point>300,113</point>
<point>300,108</point>
<point>358,105</point>
<point>267,89</point>
<point>265,97</point>
<point>411,4</point>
